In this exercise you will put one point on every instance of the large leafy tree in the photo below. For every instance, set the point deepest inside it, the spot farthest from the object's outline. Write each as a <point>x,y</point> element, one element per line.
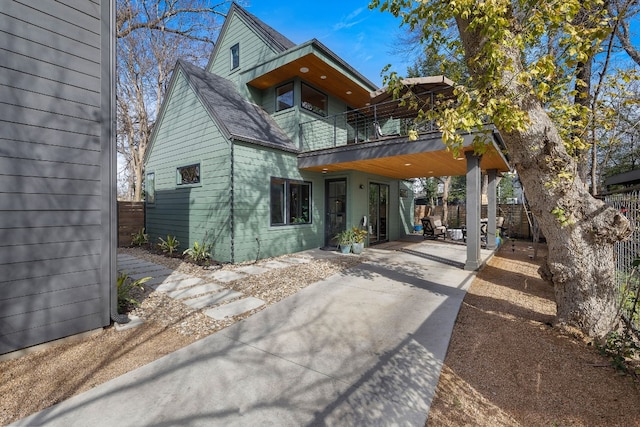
<point>525,60</point>
<point>151,36</point>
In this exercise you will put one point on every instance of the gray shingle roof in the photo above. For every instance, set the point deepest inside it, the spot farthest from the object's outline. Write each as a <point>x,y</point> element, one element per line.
<point>238,118</point>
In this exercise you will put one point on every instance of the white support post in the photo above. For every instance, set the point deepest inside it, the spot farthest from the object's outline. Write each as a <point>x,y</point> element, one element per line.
<point>491,211</point>
<point>474,199</point>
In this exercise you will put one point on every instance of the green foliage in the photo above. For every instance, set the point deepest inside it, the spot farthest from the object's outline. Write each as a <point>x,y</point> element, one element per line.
<point>199,253</point>
<point>140,238</point>
<point>622,348</point>
<point>359,235</point>
<point>562,216</point>
<point>125,287</point>
<point>346,237</point>
<point>170,245</point>
<point>551,39</point>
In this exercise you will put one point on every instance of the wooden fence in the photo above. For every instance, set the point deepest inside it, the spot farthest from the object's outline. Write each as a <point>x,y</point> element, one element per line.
<point>515,218</point>
<point>130,220</point>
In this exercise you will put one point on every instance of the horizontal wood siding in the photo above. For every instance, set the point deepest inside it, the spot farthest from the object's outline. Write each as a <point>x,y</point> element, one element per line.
<point>56,158</point>
<point>186,135</point>
<point>253,49</point>
<point>254,167</point>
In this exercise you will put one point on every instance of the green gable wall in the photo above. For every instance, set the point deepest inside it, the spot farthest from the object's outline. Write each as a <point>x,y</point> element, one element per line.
<point>253,50</point>
<point>187,134</point>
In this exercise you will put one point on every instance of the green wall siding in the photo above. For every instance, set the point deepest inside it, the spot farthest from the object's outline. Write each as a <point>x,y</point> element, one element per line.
<point>253,169</point>
<point>188,135</point>
<point>253,50</point>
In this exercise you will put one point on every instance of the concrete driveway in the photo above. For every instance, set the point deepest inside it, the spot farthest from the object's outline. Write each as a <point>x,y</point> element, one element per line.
<point>364,347</point>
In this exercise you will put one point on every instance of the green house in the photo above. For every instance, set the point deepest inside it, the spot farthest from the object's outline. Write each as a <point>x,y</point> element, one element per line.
<point>274,148</point>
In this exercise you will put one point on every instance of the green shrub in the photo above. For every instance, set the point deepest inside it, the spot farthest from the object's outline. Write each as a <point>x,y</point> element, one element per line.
<point>140,238</point>
<point>199,253</point>
<point>170,245</point>
<point>621,348</point>
<point>126,286</point>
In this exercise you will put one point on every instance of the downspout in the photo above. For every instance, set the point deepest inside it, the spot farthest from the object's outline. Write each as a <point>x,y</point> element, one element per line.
<point>231,204</point>
<point>110,188</point>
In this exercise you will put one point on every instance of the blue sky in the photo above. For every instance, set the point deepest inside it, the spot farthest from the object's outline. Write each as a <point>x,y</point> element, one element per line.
<point>365,38</point>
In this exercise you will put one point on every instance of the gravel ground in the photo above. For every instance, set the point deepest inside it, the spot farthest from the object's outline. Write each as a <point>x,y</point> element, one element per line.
<point>45,377</point>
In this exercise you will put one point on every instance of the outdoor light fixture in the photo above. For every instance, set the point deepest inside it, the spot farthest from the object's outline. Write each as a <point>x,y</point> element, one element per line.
<point>304,70</point>
<point>323,77</point>
<point>361,186</point>
<point>349,92</point>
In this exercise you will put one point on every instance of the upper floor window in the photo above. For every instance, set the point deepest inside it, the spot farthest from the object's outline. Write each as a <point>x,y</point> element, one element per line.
<point>187,175</point>
<point>284,97</point>
<point>290,202</point>
<point>313,100</point>
<point>235,56</point>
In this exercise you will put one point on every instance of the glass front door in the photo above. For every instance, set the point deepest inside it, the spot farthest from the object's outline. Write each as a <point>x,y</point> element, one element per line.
<point>335,210</point>
<point>378,213</point>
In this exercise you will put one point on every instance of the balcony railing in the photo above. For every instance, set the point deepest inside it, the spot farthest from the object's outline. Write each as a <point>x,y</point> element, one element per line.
<point>368,124</point>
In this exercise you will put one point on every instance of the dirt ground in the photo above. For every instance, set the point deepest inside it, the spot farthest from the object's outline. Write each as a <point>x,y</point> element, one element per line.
<point>505,366</point>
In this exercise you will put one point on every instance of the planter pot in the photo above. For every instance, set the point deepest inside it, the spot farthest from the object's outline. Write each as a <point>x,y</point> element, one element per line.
<point>345,249</point>
<point>357,248</point>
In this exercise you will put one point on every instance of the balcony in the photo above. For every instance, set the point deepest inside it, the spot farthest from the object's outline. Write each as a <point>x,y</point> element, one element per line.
<point>375,139</point>
<point>377,122</point>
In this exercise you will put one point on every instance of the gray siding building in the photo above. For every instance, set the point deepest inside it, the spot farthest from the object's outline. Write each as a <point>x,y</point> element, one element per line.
<point>57,169</point>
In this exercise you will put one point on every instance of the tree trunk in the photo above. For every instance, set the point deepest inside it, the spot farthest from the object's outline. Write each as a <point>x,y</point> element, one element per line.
<point>581,257</point>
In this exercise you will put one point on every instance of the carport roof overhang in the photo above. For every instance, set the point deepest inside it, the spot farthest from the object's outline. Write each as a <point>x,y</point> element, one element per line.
<point>403,159</point>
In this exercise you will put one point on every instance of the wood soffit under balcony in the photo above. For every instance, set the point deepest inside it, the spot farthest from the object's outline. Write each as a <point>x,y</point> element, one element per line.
<point>405,159</point>
<point>335,82</point>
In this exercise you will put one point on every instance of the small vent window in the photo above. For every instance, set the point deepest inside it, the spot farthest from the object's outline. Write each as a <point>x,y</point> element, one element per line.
<point>188,175</point>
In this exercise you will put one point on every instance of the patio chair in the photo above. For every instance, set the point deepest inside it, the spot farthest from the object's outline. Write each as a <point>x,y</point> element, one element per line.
<point>432,228</point>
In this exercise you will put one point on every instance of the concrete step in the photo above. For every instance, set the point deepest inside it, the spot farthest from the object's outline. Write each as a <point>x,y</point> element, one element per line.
<point>180,284</point>
<point>203,288</point>
<point>234,308</point>
<point>213,299</point>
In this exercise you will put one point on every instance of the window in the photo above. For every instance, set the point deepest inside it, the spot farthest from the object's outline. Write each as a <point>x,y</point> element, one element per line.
<point>188,175</point>
<point>150,188</point>
<point>284,97</point>
<point>313,100</point>
<point>290,202</point>
<point>235,56</point>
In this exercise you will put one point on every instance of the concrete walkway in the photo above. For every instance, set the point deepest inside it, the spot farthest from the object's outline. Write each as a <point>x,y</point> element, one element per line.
<point>364,347</point>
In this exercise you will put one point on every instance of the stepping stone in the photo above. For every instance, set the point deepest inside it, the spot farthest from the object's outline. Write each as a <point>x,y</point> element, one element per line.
<point>125,257</point>
<point>294,260</point>
<point>253,269</point>
<point>143,267</point>
<point>166,278</point>
<point>205,288</point>
<point>174,286</point>
<point>275,264</point>
<point>212,299</point>
<point>234,308</point>
<point>153,273</point>
<point>226,276</point>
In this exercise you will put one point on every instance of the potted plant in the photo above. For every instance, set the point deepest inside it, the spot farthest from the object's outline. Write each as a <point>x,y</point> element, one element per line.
<point>359,235</point>
<point>345,240</point>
